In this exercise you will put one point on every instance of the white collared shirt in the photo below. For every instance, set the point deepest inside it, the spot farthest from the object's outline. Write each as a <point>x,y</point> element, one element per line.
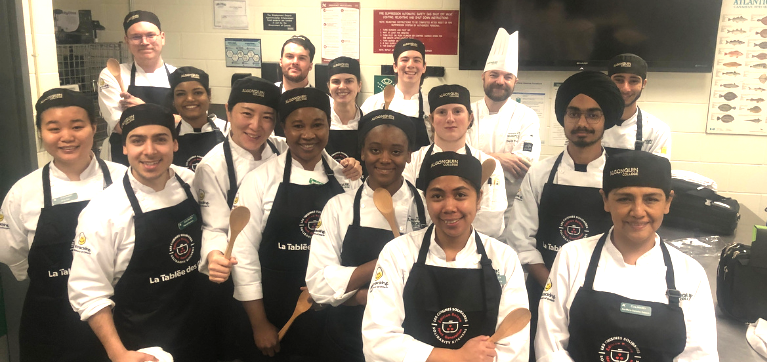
<point>408,107</point>
<point>222,125</point>
<point>656,135</point>
<point>336,124</point>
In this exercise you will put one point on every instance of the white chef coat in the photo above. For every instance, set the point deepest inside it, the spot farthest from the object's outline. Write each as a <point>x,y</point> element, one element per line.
<point>382,334</point>
<point>325,277</point>
<point>489,219</point>
<point>525,210</point>
<point>336,124</point>
<point>644,281</point>
<point>211,183</point>
<point>282,88</point>
<point>107,224</point>
<point>22,205</point>
<point>408,107</point>
<point>257,192</point>
<point>656,135</point>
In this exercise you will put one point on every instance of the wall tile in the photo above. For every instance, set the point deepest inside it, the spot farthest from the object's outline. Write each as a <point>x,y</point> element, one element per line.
<point>747,178</point>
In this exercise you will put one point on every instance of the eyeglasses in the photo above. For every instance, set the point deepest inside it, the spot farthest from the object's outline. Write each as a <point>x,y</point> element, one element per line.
<point>592,117</point>
<point>138,37</point>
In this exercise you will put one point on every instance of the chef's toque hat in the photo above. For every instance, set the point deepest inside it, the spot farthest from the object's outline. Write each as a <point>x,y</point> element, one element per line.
<point>504,55</point>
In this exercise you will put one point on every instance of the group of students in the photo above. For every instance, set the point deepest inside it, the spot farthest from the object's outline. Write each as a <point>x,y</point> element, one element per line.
<point>115,270</point>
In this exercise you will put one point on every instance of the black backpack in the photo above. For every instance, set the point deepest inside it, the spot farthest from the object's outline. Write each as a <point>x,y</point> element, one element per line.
<point>695,207</point>
<point>741,279</point>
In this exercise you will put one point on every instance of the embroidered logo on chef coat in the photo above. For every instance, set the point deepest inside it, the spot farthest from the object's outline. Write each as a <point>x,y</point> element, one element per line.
<point>379,273</point>
<point>573,227</point>
<point>3,225</point>
<point>309,223</point>
<point>619,349</point>
<point>103,84</point>
<point>78,245</point>
<point>512,137</point>
<point>191,162</point>
<point>527,147</point>
<point>338,156</point>
<point>181,248</point>
<point>450,325</point>
<point>201,197</point>
<point>236,199</point>
<point>81,239</point>
<point>546,295</point>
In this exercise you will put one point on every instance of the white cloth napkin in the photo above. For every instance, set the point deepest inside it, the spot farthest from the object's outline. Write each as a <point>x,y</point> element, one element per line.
<point>757,337</point>
<point>159,353</point>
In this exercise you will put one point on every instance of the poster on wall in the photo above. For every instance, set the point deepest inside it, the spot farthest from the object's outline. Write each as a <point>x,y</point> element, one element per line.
<point>230,14</point>
<point>280,21</point>
<point>340,30</point>
<point>739,76</point>
<point>242,53</point>
<point>533,95</point>
<point>437,29</point>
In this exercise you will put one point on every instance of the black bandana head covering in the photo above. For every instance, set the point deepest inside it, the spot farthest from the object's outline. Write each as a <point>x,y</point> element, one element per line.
<point>139,16</point>
<point>302,41</point>
<point>303,98</point>
<point>450,164</point>
<point>636,168</point>
<point>449,94</point>
<point>383,116</point>
<point>61,97</point>
<point>409,44</point>
<point>188,74</point>
<point>596,85</point>
<point>627,63</point>
<point>344,65</point>
<point>146,114</point>
<point>254,90</point>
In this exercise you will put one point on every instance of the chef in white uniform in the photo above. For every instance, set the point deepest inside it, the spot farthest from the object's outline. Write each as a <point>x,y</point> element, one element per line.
<point>625,295</point>
<point>450,118</point>
<point>438,293</point>
<point>296,61</point>
<point>637,129</point>
<point>344,84</point>
<point>38,218</point>
<point>137,242</point>
<point>146,79</point>
<point>410,68</point>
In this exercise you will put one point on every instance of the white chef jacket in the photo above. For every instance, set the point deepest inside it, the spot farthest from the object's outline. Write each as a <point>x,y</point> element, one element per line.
<point>525,210</point>
<point>107,224</point>
<point>644,281</point>
<point>22,205</point>
<point>408,107</point>
<point>382,334</point>
<point>325,277</point>
<point>489,219</point>
<point>656,135</point>
<point>211,183</point>
<point>336,124</point>
<point>282,88</point>
<point>257,192</point>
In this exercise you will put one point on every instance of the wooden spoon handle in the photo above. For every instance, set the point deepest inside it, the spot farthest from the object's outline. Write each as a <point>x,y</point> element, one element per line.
<point>393,225</point>
<point>229,247</point>
<point>284,329</point>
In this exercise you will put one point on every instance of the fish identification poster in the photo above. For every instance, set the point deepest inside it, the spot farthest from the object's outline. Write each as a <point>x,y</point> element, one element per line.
<point>739,77</point>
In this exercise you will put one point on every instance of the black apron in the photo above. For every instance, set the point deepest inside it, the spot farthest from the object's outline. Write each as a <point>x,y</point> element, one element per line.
<point>608,327</point>
<point>424,166</point>
<point>231,326</point>
<point>445,307</point>
<point>284,255</point>
<point>343,143</point>
<point>566,213</point>
<point>421,135</point>
<point>611,151</point>
<point>148,94</point>
<point>192,147</point>
<point>343,337</point>
<point>50,330</point>
<point>161,298</point>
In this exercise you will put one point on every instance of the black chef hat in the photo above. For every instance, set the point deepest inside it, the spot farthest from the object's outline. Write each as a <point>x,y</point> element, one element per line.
<point>254,90</point>
<point>188,74</point>
<point>302,98</point>
<point>627,63</point>
<point>596,85</point>
<point>61,97</point>
<point>449,94</point>
<point>406,44</point>
<point>384,116</point>
<point>139,16</point>
<point>146,114</point>
<point>636,168</point>
<point>450,164</point>
<point>302,41</point>
<point>344,65</point>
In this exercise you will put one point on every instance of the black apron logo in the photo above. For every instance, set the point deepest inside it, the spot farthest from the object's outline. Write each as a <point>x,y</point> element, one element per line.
<point>450,325</point>
<point>181,248</point>
<point>619,349</point>
<point>573,228</point>
<point>338,156</point>
<point>309,223</point>
<point>191,162</point>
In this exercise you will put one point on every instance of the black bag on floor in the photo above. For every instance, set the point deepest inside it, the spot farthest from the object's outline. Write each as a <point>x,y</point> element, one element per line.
<point>697,208</point>
<point>741,279</point>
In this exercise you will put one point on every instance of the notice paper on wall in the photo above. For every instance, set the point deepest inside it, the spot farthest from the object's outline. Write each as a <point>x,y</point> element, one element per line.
<point>340,30</point>
<point>739,76</point>
<point>230,14</point>
<point>533,95</point>
<point>556,136</point>
<point>437,29</point>
<point>243,53</point>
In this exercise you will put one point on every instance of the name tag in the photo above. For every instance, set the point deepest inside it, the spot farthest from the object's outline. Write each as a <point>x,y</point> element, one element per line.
<point>636,309</point>
<point>188,221</point>
<point>64,199</point>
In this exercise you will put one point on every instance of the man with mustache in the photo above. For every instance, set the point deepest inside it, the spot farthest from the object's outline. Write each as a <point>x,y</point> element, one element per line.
<point>296,60</point>
<point>559,199</point>
<point>636,129</point>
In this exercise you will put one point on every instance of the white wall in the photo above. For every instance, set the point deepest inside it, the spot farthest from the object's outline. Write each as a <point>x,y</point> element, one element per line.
<point>738,163</point>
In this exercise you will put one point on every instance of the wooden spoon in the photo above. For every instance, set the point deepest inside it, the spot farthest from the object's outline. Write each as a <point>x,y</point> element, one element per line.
<point>237,221</point>
<point>384,204</point>
<point>388,95</point>
<point>512,323</point>
<point>487,169</point>
<point>114,68</point>
<point>303,304</point>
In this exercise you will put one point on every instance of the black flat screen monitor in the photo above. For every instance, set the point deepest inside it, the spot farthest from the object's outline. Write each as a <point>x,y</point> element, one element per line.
<point>671,35</point>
